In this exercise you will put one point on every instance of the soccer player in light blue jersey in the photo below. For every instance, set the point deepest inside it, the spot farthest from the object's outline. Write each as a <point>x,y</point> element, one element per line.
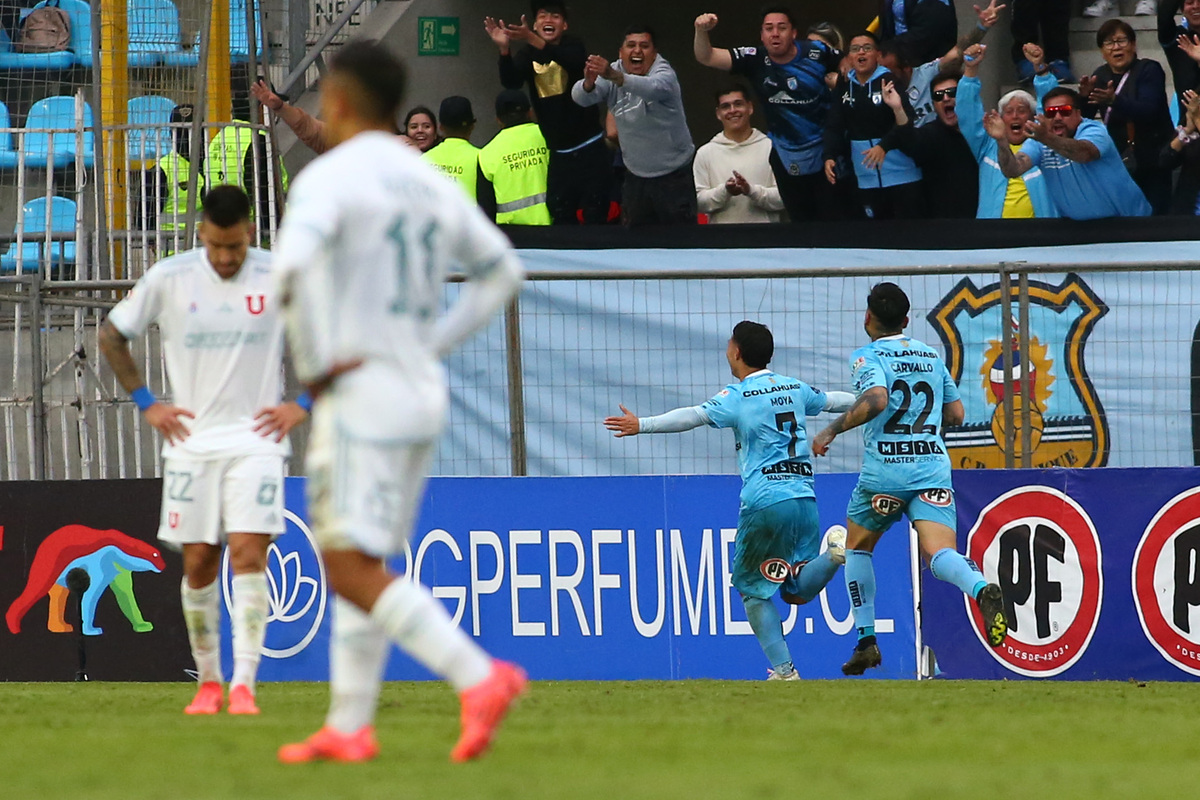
<point>905,396</point>
<point>778,544</point>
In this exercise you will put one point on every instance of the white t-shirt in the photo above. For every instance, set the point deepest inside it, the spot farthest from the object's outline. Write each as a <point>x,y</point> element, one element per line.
<point>370,233</point>
<point>223,343</point>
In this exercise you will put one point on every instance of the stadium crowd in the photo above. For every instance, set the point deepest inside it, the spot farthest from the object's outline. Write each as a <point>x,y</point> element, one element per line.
<point>884,122</point>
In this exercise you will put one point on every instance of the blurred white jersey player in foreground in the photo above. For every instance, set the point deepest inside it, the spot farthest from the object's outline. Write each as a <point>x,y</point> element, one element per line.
<point>368,238</point>
<point>222,336</point>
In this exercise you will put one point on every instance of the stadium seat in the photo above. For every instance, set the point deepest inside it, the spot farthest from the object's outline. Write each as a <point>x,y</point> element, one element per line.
<point>238,50</point>
<point>57,113</point>
<point>62,220</point>
<point>8,156</point>
<point>149,142</point>
<point>153,31</point>
<point>79,53</point>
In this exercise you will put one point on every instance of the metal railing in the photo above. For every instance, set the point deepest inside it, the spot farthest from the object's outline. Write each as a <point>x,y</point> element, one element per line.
<point>529,393</point>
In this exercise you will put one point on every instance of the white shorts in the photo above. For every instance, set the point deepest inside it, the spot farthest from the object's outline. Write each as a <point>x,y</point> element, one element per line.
<point>203,500</point>
<point>363,494</point>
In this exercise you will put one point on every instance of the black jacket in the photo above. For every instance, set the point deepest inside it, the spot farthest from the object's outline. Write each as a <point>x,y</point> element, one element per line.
<point>932,29</point>
<point>950,172</point>
<point>1143,102</point>
<point>564,124</point>
<point>1184,70</point>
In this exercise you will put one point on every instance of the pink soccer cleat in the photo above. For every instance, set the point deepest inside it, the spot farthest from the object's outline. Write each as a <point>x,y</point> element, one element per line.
<point>241,700</point>
<point>208,700</point>
<point>484,707</point>
<point>329,744</point>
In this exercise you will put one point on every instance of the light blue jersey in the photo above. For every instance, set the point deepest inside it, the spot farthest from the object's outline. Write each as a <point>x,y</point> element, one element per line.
<point>904,448</point>
<point>767,413</point>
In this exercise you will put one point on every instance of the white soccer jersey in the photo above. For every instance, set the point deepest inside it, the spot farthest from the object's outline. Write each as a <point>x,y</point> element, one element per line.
<point>223,343</point>
<point>367,240</point>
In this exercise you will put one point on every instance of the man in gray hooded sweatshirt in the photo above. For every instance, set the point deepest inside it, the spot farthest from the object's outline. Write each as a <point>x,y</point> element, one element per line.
<point>642,92</point>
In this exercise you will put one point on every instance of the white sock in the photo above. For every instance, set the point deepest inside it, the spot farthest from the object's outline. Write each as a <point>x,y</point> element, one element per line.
<point>250,606</point>
<point>358,651</point>
<point>201,615</point>
<point>417,621</point>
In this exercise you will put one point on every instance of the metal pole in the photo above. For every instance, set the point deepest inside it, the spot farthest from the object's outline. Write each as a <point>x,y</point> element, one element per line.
<point>516,387</point>
<point>1006,355</point>
<point>103,246</point>
<point>1028,395</point>
<point>197,142</point>
<point>312,55</point>
<point>37,383</point>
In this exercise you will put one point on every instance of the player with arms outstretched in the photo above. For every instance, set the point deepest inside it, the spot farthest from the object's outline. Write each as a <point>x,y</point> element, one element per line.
<point>905,394</point>
<point>778,544</point>
<point>369,236</point>
<point>224,434</point>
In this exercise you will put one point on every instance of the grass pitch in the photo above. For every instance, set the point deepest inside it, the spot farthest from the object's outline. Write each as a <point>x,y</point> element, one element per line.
<point>687,739</point>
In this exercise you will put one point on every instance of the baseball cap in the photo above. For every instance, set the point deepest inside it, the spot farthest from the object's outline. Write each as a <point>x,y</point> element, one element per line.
<point>511,101</point>
<point>455,112</point>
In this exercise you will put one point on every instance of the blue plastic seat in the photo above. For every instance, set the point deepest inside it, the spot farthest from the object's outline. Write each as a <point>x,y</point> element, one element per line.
<point>238,49</point>
<point>8,156</point>
<point>56,149</point>
<point>62,220</point>
<point>149,142</point>
<point>79,52</point>
<point>153,31</point>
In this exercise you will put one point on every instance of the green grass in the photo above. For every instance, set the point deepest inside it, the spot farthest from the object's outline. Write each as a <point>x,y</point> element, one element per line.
<point>611,741</point>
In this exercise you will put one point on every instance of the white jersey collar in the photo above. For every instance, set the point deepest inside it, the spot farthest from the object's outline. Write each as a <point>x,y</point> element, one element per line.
<point>893,337</point>
<point>756,374</point>
<point>212,272</point>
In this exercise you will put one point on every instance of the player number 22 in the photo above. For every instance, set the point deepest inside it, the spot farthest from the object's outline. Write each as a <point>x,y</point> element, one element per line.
<point>895,426</point>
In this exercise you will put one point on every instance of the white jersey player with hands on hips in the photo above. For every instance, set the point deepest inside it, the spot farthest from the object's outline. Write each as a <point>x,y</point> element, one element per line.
<point>370,233</point>
<point>224,433</point>
<point>778,543</point>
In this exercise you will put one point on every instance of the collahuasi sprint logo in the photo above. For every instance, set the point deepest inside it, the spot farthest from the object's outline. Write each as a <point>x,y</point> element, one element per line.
<point>109,558</point>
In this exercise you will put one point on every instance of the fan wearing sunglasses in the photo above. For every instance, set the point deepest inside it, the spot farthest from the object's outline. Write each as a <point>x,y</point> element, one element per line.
<point>951,176</point>
<point>1081,164</point>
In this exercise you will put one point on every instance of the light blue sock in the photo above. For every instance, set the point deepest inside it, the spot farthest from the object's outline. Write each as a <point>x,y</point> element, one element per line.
<point>815,575</point>
<point>860,584</point>
<point>954,568</point>
<point>768,629</point>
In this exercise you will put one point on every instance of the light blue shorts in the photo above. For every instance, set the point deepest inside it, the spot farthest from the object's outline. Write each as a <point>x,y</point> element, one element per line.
<point>772,543</point>
<point>877,511</point>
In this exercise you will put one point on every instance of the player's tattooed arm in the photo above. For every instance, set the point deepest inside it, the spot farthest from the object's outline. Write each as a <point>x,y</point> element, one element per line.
<point>116,351</point>
<point>165,418</point>
<point>869,405</point>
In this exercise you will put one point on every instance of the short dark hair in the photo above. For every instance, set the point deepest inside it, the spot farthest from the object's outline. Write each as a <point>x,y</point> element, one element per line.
<point>1115,25</point>
<point>550,6</point>
<point>377,72</point>
<point>777,9</point>
<point>729,87</point>
<point>755,342</point>
<point>947,74</point>
<point>1063,91</point>
<point>226,206</point>
<point>889,305</point>
<point>412,112</point>
<point>893,47</point>
<point>870,36</point>
<point>638,27</point>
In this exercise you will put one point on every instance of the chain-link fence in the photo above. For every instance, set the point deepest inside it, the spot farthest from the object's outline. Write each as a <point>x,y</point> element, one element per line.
<point>1057,366</point>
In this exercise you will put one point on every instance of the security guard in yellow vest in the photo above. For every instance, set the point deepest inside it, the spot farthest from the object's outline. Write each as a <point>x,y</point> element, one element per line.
<point>455,156</point>
<point>231,161</point>
<point>170,187</point>
<point>515,165</point>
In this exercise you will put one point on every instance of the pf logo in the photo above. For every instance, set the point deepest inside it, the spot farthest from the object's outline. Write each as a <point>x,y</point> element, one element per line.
<point>1166,581</point>
<point>776,570</point>
<point>1042,549</point>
